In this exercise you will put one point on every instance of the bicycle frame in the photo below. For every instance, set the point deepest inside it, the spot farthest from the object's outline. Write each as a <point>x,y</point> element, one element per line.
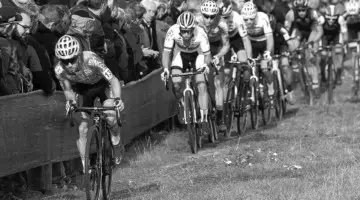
<point>275,68</point>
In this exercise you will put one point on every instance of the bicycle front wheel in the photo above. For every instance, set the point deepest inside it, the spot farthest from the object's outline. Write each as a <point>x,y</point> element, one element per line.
<point>277,95</point>
<point>229,110</point>
<point>254,87</point>
<point>242,107</point>
<point>108,155</point>
<point>93,164</point>
<point>190,114</point>
<point>331,82</point>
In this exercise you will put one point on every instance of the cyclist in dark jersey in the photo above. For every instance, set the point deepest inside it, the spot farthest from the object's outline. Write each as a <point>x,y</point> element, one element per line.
<point>85,73</point>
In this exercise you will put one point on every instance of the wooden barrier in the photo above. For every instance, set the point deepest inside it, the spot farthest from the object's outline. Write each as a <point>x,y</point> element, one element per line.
<point>34,131</point>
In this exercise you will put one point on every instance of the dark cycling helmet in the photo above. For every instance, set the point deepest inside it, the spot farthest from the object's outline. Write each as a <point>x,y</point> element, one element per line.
<point>300,4</point>
<point>273,21</point>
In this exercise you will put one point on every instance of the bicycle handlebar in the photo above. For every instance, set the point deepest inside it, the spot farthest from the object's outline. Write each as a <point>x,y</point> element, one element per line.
<point>75,109</point>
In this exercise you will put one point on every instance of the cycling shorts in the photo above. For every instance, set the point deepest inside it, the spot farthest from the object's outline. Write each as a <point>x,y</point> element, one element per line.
<point>184,61</point>
<point>330,39</point>
<point>90,92</point>
<point>258,48</point>
<point>280,45</point>
<point>236,43</point>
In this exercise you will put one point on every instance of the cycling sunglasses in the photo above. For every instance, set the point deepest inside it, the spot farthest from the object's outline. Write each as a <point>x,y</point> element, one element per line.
<point>69,61</point>
<point>188,31</point>
<point>301,9</point>
<point>249,19</point>
<point>209,16</point>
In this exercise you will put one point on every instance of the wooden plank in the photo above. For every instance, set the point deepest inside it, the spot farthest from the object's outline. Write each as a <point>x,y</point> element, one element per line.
<point>34,131</point>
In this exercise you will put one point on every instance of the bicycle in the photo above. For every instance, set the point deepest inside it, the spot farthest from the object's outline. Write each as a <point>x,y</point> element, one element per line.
<point>98,167</point>
<point>238,98</point>
<point>191,108</point>
<point>330,72</point>
<point>302,73</point>
<point>279,83</point>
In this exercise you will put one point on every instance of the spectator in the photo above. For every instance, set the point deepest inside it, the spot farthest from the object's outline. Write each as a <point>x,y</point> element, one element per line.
<point>153,35</point>
<point>178,6</point>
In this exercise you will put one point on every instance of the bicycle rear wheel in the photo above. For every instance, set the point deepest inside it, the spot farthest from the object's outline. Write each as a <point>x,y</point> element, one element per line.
<point>191,126</point>
<point>229,110</point>
<point>108,155</point>
<point>213,134</point>
<point>93,164</point>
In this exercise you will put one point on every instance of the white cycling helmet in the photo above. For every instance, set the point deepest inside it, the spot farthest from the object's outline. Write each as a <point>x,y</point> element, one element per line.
<point>352,7</point>
<point>209,7</point>
<point>67,47</point>
<point>186,20</point>
<point>300,4</point>
<point>226,10</point>
<point>249,10</point>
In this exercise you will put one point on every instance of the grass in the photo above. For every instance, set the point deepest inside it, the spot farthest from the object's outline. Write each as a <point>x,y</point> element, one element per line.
<point>312,154</point>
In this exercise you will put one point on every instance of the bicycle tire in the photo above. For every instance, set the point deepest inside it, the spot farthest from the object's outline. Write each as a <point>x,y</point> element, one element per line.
<point>210,119</point>
<point>191,126</point>
<point>108,155</point>
<point>241,101</point>
<point>229,110</point>
<point>92,180</point>
<point>277,95</point>
<point>331,81</point>
<point>283,100</point>
<point>307,85</point>
<point>254,86</point>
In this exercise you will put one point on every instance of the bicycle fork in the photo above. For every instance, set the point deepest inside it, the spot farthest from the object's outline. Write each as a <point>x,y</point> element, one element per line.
<point>253,78</point>
<point>188,89</point>
<point>279,78</point>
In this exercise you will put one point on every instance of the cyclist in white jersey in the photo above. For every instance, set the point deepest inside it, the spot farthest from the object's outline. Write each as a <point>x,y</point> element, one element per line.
<point>190,48</point>
<point>217,31</point>
<point>257,28</point>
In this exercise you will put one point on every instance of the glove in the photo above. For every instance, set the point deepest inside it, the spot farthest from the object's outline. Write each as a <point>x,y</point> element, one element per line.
<point>165,74</point>
<point>216,60</point>
<point>207,70</point>
<point>119,104</point>
<point>70,105</point>
<point>267,55</point>
<point>234,57</point>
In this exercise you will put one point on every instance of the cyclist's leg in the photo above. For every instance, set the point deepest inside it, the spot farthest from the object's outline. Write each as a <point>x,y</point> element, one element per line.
<point>313,67</point>
<point>338,59</point>
<point>259,48</point>
<point>287,74</point>
<point>177,68</point>
<point>201,86</point>
<point>323,42</point>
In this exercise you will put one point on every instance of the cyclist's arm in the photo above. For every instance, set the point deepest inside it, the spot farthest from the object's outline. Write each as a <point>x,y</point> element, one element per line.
<point>289,19</point>
<point>168,46</point>
<point>268,34</point>
<point>65,84</point>
<point>244,36</point>
<point>318,28</point>
<point>224,39</point>
<point>343,30</point>
<point>205,46</point>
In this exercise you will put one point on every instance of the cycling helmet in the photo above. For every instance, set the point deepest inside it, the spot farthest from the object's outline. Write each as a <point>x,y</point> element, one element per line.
<point>186,20</point>
<point>300,3</point>
<point>332,11</point>
<point>67,47</point>
<point>226,10</point>
<point>209,7</point>
<point>249,10</point>
<point>352,7</point>
<point>272,20</point>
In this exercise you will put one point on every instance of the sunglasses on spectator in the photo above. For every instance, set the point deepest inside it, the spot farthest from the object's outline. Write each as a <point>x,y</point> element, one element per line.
<point>69,61</point>
<point>209,16</point>
<point>188,31</point>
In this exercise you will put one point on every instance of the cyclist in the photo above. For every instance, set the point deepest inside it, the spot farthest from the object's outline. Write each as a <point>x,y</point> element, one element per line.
<point>352,17</point>
<point>283,43</point>
<point>304,20</point>
<point>335,32</point>
<point>85,73</point>
<point>256,26</point>
<point>189,45</point>
<point>217,31</point>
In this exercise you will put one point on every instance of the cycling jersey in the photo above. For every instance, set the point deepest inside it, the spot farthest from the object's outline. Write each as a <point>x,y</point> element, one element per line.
<point>259,30</point>
<point>307,23</point>
<point>91,70</point>
<point>339,26</point>
<point>233,22</point>
<point>198,42</point>
<point>215,30</point>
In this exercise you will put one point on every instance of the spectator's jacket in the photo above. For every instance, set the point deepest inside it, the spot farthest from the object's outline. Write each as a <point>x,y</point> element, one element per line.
<point>159,29</point>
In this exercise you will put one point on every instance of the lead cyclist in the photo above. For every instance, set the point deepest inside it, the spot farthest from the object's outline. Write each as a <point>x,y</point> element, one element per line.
<point>189,45</point>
